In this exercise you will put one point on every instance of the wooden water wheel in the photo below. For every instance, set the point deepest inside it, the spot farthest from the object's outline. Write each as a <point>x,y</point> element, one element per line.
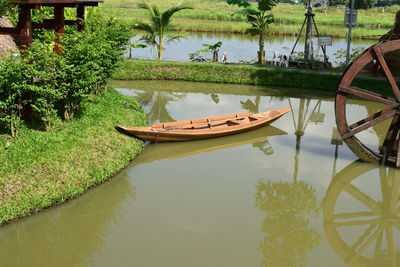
<point>382,61</point>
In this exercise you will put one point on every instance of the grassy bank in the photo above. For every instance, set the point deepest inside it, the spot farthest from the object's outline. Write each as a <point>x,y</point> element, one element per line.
<point>41,169</point>
<point>216,16</point>
<point>238,74</point>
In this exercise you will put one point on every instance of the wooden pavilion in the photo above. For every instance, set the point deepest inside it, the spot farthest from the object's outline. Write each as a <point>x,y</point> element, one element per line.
<point>23,30</point>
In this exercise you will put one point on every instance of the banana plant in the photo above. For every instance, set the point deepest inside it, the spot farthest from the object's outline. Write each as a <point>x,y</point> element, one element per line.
<point>259,19</point>
<point>135,45</point>
<point>213,48</point>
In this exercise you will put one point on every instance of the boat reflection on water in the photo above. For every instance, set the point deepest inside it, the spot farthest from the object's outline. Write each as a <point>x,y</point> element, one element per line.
<point>361,215</point>
<point>258,138</point>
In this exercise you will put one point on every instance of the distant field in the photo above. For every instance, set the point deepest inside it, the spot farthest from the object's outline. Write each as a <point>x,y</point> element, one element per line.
<point>217,16</point>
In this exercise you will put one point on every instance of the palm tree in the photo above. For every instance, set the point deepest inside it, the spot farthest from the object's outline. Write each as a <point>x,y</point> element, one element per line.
<point>159,31</point>
<point>259,18</point>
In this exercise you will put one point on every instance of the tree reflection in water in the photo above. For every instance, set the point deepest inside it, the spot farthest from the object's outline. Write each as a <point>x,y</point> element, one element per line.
<point>158,101</point>
<point>250,105</point>
<point>70,234</point>
<point>214,98</point>
<point>288,207</point>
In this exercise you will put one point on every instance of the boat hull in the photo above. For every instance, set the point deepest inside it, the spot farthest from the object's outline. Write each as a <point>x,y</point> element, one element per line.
<point>204,128</point>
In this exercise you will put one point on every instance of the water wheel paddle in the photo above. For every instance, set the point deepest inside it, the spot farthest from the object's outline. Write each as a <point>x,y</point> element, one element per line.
<point>382,60</point>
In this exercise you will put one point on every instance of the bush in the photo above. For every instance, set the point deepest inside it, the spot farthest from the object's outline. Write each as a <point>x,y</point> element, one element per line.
<point>41,87</point>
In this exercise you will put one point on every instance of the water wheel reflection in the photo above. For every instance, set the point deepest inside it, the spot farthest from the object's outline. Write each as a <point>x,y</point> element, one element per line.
<point>361,215</point>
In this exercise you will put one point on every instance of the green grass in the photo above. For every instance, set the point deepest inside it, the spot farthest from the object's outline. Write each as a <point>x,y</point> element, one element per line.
<point>239,74</point>
<point>41,169</point>
<point>217,16</point>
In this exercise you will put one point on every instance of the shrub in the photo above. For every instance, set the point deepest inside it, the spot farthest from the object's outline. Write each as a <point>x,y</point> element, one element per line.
<point>42,86</point>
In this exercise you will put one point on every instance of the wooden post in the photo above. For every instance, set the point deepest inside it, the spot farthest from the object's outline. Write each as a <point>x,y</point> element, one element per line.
<point>80,14</point>
<point>25,27</point>
<point>308,47</point>
<point>59,27</point>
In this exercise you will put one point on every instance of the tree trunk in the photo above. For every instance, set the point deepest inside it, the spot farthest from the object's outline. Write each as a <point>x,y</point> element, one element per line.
<point>215,56</point>
<point>160,47</point>
<point>12,130</point>
<point>159,54</point>
<point>261,52</point>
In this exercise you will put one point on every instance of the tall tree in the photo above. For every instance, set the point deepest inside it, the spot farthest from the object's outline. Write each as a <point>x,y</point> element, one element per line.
<point>259,18</point>
<point>159,31</point>
<point>365,4</point>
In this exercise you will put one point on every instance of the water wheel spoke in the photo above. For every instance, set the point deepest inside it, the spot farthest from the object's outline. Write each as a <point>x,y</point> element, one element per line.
<point>351,215</point>
<point>369,241</point>
<point>369,122</point>
<point>356,223</point>
<point>391,142</point>
<point>387,71</point>
<point>391,245</point>
<point>363,198</point>
<point>367,95</point>
<point>370,118</point>
<point>383,177</point>
<point>378,245</point>
<point>364,236</point>
<point>394,198</point>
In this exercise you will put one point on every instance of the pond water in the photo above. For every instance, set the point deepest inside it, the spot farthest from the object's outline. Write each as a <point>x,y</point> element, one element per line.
<point>240,47</point>
<point>289,194</point>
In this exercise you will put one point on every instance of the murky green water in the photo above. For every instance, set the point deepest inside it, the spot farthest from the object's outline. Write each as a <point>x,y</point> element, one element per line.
<point>286,195</point>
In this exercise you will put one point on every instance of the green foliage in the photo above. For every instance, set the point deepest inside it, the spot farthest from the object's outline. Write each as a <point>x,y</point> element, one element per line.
<point>7,8</point>
<point>289,235</point>
<point>340,55</point>
<point>259,20</point>
<point>11,92</point>
<point>195,57</point>
<point>365,4</point>
<point>41,169</point>
<point>41,87</point>
<point>221,73</point>
<point>213,48</point>
<point>160,32</point>
<point>89,60</point>
<point>288,18</point>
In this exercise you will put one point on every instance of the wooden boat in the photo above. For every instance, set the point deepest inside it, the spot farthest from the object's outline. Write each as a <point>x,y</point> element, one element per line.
<point>205,127</point>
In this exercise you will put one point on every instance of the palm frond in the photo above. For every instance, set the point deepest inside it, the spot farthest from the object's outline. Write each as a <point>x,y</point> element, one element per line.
<point>167,15</point>
<point>265,5</point>
<point>149,39</point>
<point>143,26</point>
<point>144,5</point>
<point>156,11</point>
<point>175,37</point>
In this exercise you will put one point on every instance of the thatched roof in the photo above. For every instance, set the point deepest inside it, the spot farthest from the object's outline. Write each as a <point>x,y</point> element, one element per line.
<point>6,42</point>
